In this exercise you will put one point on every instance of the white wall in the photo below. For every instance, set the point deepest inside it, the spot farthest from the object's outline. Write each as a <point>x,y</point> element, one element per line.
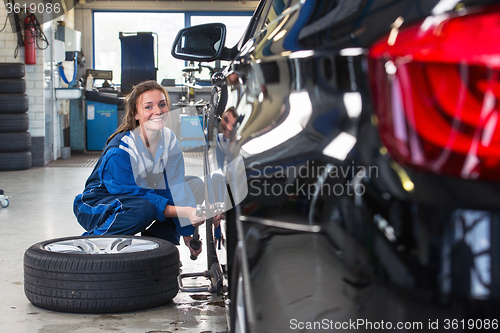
<point>35,85</point>
<point>34,75</point>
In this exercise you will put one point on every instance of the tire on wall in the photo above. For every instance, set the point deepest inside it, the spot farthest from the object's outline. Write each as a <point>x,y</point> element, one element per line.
<point>14,103</point>
<point>134,273</point>
<point>12,86</point>
<point>12,70</point>
<point>14,122</point>
<point>15,142</point>
<point>15,161</point>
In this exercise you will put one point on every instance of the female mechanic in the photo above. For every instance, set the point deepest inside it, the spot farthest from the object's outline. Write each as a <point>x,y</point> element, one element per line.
<point>138,182</point>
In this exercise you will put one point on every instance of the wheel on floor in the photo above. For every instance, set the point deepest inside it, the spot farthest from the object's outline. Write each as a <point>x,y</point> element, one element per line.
<point>101,274</point>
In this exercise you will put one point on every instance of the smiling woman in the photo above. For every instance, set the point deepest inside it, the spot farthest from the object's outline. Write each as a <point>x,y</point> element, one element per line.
<point>138,182</point>
<point>151,113</point>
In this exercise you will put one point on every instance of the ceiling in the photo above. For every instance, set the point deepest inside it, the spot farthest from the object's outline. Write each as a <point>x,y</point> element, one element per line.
<point>166,5</point>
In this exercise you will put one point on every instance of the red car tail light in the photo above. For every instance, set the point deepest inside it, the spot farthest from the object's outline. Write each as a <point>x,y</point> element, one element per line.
<point>436,89</point>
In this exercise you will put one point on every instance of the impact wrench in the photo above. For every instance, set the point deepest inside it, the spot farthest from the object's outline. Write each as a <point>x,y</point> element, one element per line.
<point>195,242</point>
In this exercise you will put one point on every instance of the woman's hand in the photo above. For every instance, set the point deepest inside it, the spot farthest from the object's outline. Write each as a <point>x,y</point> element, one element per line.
<point>216,220</point>
<point>188,212</point>
<point>196,220</point>
<point>187,241</point>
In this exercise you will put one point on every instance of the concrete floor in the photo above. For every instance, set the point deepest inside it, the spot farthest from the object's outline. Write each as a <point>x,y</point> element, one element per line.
<point>40,209</point>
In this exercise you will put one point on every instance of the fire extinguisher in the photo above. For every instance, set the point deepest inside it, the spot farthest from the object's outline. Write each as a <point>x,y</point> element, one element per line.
<point>30,40</point>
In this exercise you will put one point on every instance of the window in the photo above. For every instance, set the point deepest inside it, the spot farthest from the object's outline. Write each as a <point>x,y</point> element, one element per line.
<point>107,46</point>
<point>236,24</point>
<point>108,25</point>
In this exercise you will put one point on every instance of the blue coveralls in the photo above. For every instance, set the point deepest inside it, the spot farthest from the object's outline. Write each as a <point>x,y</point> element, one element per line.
<point>129,189</point>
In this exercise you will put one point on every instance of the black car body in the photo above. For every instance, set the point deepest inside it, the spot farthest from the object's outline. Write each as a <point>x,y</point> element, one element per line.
<point>368,134</point>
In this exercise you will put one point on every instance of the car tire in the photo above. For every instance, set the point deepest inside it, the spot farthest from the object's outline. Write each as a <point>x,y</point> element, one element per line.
<point>14,103</point>
<point>12,86</point>
<point>14,122</point>
<point>15,142</point>
<point>12,70</point>
<point>63,277</point>
<point>15,161</point>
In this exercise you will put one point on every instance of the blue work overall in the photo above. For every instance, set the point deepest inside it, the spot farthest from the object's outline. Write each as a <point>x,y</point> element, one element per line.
<point>129,189</point>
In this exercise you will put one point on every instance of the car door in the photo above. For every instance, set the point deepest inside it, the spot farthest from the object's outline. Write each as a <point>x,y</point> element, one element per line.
<point>273,275</point>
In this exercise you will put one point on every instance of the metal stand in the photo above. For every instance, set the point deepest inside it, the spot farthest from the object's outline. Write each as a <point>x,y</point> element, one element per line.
<point>216,281</point>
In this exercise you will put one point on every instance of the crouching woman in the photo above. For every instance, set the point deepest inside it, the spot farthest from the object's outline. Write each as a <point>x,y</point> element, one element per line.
<point>138,184</point>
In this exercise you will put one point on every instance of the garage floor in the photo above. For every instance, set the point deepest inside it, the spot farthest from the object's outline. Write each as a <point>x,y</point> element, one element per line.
<point>40,209</point>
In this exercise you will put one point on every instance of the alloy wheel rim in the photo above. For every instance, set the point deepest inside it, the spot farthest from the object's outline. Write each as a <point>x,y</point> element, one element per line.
<point>106,245</point>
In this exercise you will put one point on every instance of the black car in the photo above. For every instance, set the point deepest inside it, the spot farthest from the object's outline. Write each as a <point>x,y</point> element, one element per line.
<point>363,167</point>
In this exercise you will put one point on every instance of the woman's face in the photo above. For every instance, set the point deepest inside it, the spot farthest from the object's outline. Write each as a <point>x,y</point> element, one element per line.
<point>227,124</point>
<point>152,110</point>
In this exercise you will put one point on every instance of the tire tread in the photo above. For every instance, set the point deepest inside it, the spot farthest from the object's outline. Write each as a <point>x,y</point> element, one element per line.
<point>12,70</point>
<point>14,123</point>
<point>12,86</point>
<point>15,142</point>
<point>86,283</point>
<point>14,103</point>
<point>13,161</point>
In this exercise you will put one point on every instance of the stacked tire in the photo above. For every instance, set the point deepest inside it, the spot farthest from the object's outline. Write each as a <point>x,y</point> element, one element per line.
<point>15,140</point>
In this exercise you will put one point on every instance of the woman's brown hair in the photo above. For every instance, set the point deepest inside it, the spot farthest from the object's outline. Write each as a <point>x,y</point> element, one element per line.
<point>130,122</point>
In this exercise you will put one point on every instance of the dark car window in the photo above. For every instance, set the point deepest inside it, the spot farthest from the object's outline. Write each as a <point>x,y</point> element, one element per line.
<point>256,23</point>
<point>273,9</point>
